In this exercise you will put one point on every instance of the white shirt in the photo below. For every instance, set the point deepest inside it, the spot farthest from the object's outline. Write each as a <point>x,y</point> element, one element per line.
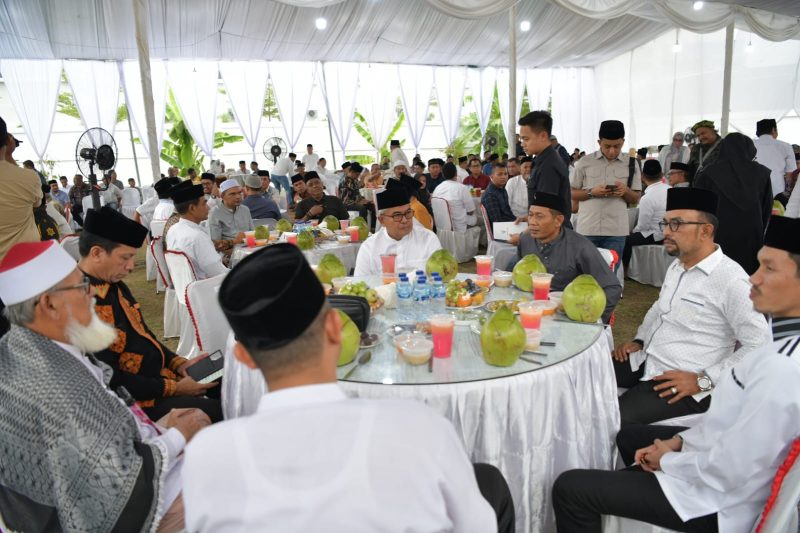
<point>329,180</point>
<point>728,461</point>
<point>652,207</point>
<point>284,167</point>
<point>697,319</point>
<point>187,237</point>
<point>163,209</point>
<point>310,160</point>
<point>146,211</point>
<point>517,190</point>
<point>462,206</point>
<point>778,157</point>
<point>793,206</point>
<point>461,173</point>
<point>66,189</point>
<point>683,157</point>
<point>112,195</point>
<point>412,251</point>
<point>310,459</point>
<point>171,441</point>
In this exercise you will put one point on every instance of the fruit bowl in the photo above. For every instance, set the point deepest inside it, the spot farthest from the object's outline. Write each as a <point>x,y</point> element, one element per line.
<point>360,288</point>
<point>464,294</point>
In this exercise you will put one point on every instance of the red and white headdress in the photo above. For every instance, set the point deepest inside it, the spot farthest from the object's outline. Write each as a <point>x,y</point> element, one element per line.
<point>30,268</point>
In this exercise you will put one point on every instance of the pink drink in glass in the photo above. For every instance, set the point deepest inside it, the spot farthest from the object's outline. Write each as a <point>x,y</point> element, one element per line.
<point>353,233</point>
<point>343,224</point>
<point>442,327</point>
<point>291,237</point>
<point>541,285</point>
<point>530,315</point>
<point>387,263</point>
<point>250,238</point>
<point>483,265</point>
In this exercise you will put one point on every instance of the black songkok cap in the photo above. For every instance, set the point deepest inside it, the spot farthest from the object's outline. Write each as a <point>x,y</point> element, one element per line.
<point>310,176</point>
<point>651,168</point>
<point>766,126</point>
<point>110,224</point>
<point>675,165</point>
<point>611,130</point>
<point>355,167</point>
<point>208,176</point>
<point>449,171</point>
<point>266,316</point>
<point>435,161</point>
<point>163,186</point>
<point>550,201</point>
<point>394,142</point>
<point>691,198</point>
<point>262,173</point>
<point>783,233</point>
<point>185,191</point>
<point>296,178</point>
<point>346,165</point>
<point>462,159</point>
<point>393,197</point>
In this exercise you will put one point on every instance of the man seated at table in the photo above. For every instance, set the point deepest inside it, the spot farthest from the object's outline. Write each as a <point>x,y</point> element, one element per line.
<point>565,253</point>
<point>318,205</point>
<point>309,458</point>
<point>144,213</point>
<point>78,454</point>
<point>717,475</point>
<point>151,372</point>
<point>413,188</point>
<point>651,210</point>
<point>679,175</point>
<point>228,221</point>
<point>517,187</point>
<point>298,192</point>
<point>188,237</point>
<point>209,183</point>
<point>495,200</point>
<point>434,176</point>
<point>412,243</point>
<point>260,205</point>
<point>165,206</point>
<point>350,191</point>
<point>476,178</point>
<point>399,168</point>
<point>462,206</point>
<point>688,338</point>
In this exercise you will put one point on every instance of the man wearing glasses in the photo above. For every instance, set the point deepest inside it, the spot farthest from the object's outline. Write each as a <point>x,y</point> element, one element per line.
<point>689,337</point>
<point>411,242</point>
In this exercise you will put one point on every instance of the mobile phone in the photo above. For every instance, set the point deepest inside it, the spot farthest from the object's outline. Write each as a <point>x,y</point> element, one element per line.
<point>207,369</point>
<point>610,187</point>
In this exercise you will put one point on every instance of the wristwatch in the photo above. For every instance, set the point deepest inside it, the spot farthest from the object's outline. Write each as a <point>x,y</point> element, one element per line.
<point>704,382</point>
<point>589,192</point>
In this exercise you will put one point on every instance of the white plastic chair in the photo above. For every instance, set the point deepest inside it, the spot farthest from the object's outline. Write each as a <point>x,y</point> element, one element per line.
<point>131,199</point>
<point>503,252</point>
<point>782,518</point>
<point>157,227</point>
<point>70,244</point>
<point>649,264</point>
<point>462,244</point>
<point>182,274</point>
<point>157,232</point>
<point>88,204</point>
<point>172,317</point>
<point>209,322</point>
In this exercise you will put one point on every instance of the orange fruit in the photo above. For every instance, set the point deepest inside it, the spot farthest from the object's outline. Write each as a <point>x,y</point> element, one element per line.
<point>464,300</point>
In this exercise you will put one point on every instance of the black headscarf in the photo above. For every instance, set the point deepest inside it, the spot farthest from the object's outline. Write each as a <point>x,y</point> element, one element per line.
<point>736,172</point>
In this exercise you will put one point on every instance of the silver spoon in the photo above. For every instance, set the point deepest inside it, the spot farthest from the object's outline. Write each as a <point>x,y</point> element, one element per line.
<point>362,360</point>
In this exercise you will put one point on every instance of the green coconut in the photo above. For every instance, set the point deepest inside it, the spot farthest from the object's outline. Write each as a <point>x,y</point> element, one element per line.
<point>363,227</point>
<point>584,299</point>
<point>351,339</point>
<point>262,232</point>
<point>444,263</point>
<point>502,338</point>
<point>523,270</point>
<point>283,225</point>
<point>331,222</point>
<point>305,241</point>
<point>330,267</point>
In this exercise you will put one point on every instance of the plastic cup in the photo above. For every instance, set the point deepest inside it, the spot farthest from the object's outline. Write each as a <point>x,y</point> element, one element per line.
<point>541,285</point>
<point>442,327</point>
<point>250,238</point>
<point>533,340</point>
<point>353,233</point>
<point>388,263</point>
<point>530,314</point>
<point>273,235</point>
<point>344,224</point>
<point>483,265</point>
<point>338,283</point>
<point>291,237</point>
<point>483,281</point>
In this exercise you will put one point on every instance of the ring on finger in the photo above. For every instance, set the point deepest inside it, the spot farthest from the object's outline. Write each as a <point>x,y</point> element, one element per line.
<point>673,390</point>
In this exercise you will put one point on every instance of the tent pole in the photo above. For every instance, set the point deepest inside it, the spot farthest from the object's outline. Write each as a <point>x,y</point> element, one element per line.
<point>330,132</point>
<point>726,80</point>
<point>143,46</point>
<point>133,147</point>
<point>511,127</point>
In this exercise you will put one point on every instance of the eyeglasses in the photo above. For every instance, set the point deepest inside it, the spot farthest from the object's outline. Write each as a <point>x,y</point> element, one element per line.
<point>397,217</point>
<point>85,286</point>
<point>676,223</point>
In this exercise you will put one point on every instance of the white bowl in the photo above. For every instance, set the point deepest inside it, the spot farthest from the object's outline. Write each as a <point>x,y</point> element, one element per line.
<point>416,350</point>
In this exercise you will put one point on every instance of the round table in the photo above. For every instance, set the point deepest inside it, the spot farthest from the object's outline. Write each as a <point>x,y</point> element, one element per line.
<point>347,253</point>
<point>532,421</point>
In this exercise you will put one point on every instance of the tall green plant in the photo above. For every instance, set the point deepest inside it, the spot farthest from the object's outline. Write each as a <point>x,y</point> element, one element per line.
<point>66,106</point>
<point>360,125</point>
<point>469,138</point>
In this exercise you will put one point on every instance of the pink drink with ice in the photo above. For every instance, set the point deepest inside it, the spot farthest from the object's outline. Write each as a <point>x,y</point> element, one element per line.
<point>387,263</point>
<point>344,224</point>
<point>442,327</point>
<point>483,265</point>
<point>541,286</point>
<point>530,315</point>
<point>353,233</point>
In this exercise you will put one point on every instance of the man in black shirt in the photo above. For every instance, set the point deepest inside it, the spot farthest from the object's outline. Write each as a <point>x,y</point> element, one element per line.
<point>318,205</point>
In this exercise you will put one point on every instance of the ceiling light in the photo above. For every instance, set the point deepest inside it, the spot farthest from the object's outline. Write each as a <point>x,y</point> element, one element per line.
<point>697,5</point>
<point>525,25</point>
<point>322,23</point>
<point>676,47</point>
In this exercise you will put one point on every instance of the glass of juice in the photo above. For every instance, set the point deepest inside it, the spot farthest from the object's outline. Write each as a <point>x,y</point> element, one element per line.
<point>291,237</point>
<point>344,224</point>
<point>387,263</point>
<point>250,238</point>
<point>541,285</point>
<point>442,327</point>
<point>483,265</point>
<point>530,314</point>
<point>353,233</point>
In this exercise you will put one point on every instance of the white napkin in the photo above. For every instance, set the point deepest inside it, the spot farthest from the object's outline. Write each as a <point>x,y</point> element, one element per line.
<point>389,295</point>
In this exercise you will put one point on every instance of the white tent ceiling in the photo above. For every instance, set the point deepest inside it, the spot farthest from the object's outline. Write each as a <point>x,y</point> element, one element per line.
<point>437,32</point>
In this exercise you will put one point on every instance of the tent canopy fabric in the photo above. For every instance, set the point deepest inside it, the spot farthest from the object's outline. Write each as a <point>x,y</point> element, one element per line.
<point>431,32</point>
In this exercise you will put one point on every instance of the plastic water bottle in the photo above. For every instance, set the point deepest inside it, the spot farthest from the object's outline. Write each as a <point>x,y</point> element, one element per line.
<point>405,293</point>
<point>437,292</point>
<point>421,294</point>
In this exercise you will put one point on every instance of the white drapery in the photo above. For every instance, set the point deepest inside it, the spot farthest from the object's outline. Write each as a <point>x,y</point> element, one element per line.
<point>450,83</point>
<point>33,88</point>
<point>416,82</point>
<point>482,83</point>
<point>502,96</point>
<point>246,85</point>
<point>575,120</point>
<point>194,84</point>
<point>292,83</point>
<point>132,87</point>
<point>339,87</point>
<point>377,101</point>
<point>538,82</point>
<point>95,86</point>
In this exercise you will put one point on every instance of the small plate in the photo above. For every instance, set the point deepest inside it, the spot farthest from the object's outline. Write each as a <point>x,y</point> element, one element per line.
<point>494,305</point>
<point>377,341</point>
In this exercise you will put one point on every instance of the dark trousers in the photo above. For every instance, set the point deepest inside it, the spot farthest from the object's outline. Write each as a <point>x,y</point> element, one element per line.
<point>640,404</point>
<point>494,490</point>
<point>635,239</point>
<point>77,215</point>
<point>210,406</point>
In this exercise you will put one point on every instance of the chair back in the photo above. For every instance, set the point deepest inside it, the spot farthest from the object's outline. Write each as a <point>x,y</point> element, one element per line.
<point>609,256</point>
<point>181,272</point>
<point>269,222</point>
<point>157,227</point>
<point>70,244</point>
<point>210,325</point>
<point>487,223</point>
<point>157,249</point>
<point>87,203</point>
<point>131,197</point>
<point>441,214</point>
<point>780,512</point>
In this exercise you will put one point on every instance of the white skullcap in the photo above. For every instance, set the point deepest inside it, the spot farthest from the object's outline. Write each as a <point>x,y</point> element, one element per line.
<point>227,185</point>
<point>30,268</point>
<point>400,163</point>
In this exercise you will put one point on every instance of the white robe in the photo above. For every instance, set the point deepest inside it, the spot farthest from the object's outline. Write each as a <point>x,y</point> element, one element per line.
<point>412,251</point>
<point>187,237</point>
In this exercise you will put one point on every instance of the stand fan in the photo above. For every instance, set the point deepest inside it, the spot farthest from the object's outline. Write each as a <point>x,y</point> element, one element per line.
<point>95,147</point>
<point>490,141</point>
<point>273,148</point>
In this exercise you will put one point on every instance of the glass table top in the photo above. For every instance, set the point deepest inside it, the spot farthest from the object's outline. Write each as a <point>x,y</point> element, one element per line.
<point>466,362</point>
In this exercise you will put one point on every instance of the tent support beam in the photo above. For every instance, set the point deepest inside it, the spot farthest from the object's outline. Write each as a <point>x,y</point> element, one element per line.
<point>143,47</point>
<point>511,127</point>
<point>133,148</point>
<point>726,80</point>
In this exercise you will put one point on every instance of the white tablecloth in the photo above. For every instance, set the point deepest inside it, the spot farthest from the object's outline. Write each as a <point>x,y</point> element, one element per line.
<point>347,253</point>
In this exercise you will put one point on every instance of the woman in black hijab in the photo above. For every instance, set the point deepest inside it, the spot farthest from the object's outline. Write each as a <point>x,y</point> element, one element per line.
<point>745,199</point>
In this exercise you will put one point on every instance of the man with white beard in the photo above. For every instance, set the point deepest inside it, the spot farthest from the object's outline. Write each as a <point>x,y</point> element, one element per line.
<point>78,456</point>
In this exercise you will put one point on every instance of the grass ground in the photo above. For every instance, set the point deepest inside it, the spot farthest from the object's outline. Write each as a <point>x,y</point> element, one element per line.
<point>629,313</point>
